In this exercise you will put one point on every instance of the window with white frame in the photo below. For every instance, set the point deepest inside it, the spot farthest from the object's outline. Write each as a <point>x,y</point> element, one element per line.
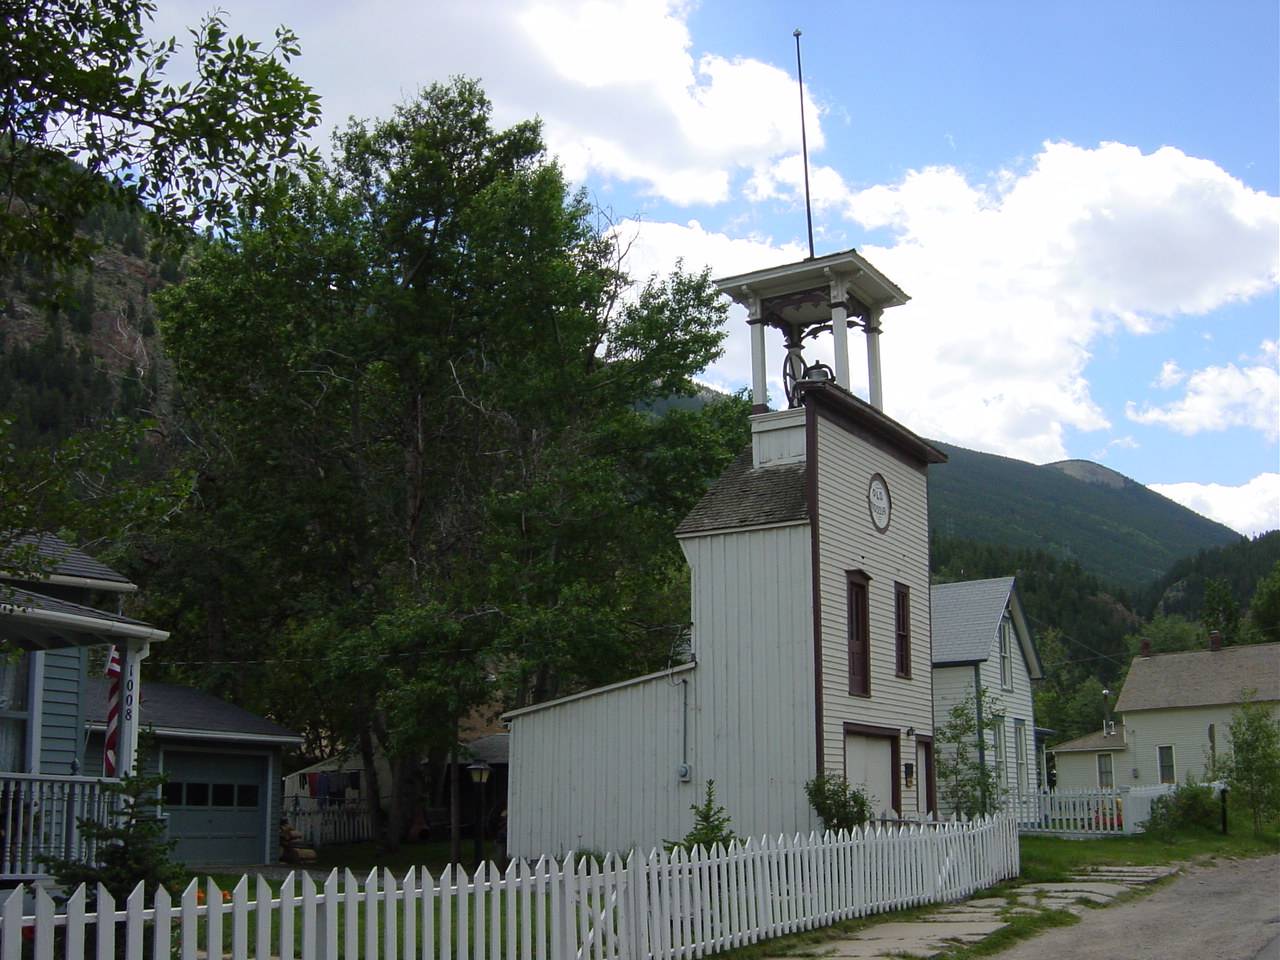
<point>1106,772</point>
<point>1006,655</point>
<point>1164,760</point>
<point>1020,754</point>
<point>15,712</point>
<point>997,740</point>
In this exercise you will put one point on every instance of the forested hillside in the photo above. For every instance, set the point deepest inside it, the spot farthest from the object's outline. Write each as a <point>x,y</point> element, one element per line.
<point>1117,528</point>
<point>1239,565</point>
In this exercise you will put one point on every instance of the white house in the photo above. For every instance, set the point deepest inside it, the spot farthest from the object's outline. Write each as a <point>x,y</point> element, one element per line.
<point>1173,717</point>
<point>810,608</point>
<point>981,641</point>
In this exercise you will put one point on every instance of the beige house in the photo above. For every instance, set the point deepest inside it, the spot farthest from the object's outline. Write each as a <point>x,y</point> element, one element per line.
<point>981,640</point>
<point>1172,718</point>
<point>809,563</point>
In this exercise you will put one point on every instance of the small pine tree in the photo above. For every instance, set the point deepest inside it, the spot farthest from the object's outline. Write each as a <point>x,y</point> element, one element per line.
<point>710,824</point>
<point>128,849</point>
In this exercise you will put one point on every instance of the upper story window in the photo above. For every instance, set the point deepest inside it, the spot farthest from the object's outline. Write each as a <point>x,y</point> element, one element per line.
<point>997,742</point>
<point>1006,654</point>
<point>859,634</point>
<point>15,712</point>
<point>902,628</point>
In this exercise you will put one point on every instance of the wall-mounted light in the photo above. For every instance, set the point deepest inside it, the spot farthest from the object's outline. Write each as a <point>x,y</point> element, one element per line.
<point>911,731</point>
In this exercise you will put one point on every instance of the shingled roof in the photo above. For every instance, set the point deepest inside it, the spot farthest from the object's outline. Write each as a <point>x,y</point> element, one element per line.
<point>747,496</point>
<point>39,622</point>
<point>174,709</point>
<point>1094,741</point>
<point>1199,678</point>
<point>965,618</point>
<point>70,563</point>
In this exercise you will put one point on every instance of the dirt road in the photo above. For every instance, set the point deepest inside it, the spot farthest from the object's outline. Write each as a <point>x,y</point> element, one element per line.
<point>1226,912</point>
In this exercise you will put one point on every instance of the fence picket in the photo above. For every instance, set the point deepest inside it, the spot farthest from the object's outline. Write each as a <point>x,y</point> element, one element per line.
<point>662,905</point>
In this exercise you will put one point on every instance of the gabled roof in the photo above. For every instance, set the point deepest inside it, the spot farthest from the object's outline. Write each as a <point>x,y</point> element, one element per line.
<point>39,622</point>
<point>966,617</point>
<point>1094,741</point>
<point>1197,678</point>
<point>182,711</point>
<point>747,496</point>
<point>71,566</point>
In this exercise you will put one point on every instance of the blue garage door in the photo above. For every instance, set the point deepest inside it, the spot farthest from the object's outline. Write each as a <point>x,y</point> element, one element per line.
<point>216,805</point>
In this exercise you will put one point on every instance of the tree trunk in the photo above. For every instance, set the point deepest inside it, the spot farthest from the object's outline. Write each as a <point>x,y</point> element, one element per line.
<point>367,756</point>
<point>455,808</point>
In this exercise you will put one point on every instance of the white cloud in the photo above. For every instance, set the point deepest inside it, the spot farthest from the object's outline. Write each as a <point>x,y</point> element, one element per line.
<point>1119,443</point>
<point>1170,375</point>
<point>1016,279</point>
<point>620,87</point>
<point>1251,508</point>
<point>1217,398</point>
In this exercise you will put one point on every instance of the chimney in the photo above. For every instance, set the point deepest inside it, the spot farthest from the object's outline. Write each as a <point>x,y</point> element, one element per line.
<point>1215,640</point>
<point>1145,648</point>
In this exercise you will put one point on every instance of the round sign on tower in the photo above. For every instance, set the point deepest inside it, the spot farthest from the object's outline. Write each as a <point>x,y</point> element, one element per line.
<point>879,502</point>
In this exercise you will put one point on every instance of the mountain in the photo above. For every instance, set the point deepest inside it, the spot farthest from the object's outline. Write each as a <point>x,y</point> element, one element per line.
<point>1074,509</point>
<point>1240,565</point>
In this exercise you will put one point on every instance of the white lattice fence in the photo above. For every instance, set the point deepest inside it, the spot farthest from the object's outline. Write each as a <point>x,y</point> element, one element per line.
<point>656,906</point>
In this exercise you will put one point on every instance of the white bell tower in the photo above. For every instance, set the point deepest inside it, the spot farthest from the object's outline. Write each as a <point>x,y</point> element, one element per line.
<point>804,299</point>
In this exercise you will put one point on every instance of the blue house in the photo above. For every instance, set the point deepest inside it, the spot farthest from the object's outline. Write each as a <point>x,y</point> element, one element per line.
<point>224,763</point>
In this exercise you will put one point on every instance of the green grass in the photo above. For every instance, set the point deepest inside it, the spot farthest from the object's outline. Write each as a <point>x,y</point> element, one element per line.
<point>1049,859</point>
<point>1021,927</point>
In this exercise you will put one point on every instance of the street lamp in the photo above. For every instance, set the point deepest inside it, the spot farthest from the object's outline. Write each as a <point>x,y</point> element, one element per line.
<point>480,775</point>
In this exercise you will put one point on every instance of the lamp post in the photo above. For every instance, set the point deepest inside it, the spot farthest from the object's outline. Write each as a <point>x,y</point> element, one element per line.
<point>480,775</point>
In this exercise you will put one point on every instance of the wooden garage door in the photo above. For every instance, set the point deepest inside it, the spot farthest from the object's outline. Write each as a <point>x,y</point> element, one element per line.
<point>216,804</point>
<point>868,763</point>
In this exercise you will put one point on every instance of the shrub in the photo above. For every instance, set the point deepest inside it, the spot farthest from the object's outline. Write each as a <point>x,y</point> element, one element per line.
<point>839,804</point>
<point>1189,806</point>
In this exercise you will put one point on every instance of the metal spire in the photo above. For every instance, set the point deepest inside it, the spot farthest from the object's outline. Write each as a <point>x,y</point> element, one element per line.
<point>804,145</point>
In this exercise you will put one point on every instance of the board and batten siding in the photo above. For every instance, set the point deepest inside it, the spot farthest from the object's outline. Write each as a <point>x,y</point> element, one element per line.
<point>62,696</point>
<point>599,771</point>
<point>848,540</point>
<point>753,641</point>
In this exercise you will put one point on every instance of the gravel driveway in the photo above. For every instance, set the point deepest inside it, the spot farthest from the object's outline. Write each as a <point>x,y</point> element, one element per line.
<point>1229,911</point>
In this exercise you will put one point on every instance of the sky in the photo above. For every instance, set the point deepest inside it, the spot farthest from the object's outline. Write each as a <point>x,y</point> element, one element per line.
<point>1082,200</point>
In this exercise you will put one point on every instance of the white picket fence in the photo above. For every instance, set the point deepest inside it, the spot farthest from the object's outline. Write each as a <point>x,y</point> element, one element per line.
<point>657,906</point>
<point>1085,812</point>
<point>345,822</point>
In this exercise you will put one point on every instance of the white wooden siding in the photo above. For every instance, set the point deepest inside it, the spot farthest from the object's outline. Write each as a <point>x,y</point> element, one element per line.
<point>1079,770</point>
<point>1014,704</point>
<point>1186,729</point>
<point>778,437</point>
<point>599,772</point>
<point>847,541</point>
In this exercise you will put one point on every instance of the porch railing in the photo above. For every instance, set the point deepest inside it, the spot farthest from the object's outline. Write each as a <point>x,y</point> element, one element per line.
<point>38,817</point>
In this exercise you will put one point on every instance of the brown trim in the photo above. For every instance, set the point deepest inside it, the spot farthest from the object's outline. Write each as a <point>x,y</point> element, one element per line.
<point>901,637</point>
<point>815,570</point>
<point>894,736</point>
<point>872,425</point>
<point>931,780</point>
<point>759,408</point>
<point>858,582</point>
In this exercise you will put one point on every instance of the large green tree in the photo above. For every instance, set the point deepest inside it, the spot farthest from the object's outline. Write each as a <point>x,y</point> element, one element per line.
<point>417,390</point>
<point>88,118</point>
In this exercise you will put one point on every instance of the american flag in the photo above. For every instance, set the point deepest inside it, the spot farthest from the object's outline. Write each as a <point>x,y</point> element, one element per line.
<point>111,745</point>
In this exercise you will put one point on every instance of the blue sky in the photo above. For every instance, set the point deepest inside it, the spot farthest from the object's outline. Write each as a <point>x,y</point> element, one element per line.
<point>1081,198</point>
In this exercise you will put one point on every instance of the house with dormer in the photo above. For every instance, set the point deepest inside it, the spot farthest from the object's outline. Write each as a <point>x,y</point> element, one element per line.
<point>982,643</point>
<point>811,652</point>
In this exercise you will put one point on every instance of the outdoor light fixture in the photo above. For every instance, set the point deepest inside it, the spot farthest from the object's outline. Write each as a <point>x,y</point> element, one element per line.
<point>911,732</point>
<point>479,771</point>
<point>480,776</point>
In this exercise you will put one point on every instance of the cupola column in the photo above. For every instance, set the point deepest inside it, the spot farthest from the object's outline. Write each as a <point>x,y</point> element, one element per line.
<point>873,358</point>
<point>840,328</point>
<point>759,377</point>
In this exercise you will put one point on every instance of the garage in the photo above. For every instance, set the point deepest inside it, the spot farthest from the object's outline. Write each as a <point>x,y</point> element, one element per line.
<point>871,762</point>
<point>216,805</point>
<point>222,767</point>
